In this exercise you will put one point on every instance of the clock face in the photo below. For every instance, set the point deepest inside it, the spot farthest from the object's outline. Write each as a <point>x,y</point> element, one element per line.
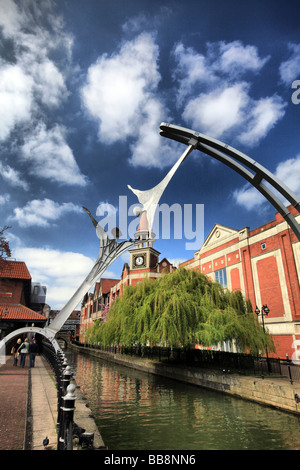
<point>139,260</point>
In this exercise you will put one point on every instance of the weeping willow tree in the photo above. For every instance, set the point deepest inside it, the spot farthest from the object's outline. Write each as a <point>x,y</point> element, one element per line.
<point>182,308</point>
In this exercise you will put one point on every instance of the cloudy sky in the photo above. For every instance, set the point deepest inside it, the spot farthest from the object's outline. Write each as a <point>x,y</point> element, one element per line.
<point>84,86</point>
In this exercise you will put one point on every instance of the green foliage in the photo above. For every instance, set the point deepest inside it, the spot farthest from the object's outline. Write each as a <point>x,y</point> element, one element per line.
<point>182,308</point>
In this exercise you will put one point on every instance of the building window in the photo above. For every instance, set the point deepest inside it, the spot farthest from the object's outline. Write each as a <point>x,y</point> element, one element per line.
<point>36,290</point>
<point>221,277</point>
<point>263,246</point>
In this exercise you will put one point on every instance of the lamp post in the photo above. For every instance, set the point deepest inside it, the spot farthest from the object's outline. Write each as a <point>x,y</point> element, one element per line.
<point>264,311</point>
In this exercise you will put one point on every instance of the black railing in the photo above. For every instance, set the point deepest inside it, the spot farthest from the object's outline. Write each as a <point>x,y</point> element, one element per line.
<point>227,362</point>
<point>67,429</point>
<point>65,396</point>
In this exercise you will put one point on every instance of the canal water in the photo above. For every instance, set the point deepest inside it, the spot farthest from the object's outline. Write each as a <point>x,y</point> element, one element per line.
<point>138,411</point>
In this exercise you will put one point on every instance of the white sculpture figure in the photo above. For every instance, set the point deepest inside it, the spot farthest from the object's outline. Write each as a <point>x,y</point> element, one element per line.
<point>150,198</point>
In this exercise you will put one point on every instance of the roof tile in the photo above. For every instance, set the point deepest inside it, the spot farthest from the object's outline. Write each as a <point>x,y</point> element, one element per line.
<point>14,270</point>
<point>19,312</point>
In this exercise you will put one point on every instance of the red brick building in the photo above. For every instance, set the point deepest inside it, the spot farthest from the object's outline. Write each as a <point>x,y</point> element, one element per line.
<point>264,264</point>
<point>15,298</point>
<point>93,304</point>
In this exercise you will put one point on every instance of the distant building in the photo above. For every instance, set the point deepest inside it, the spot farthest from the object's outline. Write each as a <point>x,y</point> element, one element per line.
<point>95,304</point>
<point>71,325</point>
<point>15,298</point>
<point>38,296</point>
<point>264,264</point>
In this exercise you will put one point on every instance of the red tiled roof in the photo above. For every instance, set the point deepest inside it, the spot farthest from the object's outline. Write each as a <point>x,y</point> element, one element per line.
<point>19,312</point>
<point>14,270</point>
<point>106,284</point>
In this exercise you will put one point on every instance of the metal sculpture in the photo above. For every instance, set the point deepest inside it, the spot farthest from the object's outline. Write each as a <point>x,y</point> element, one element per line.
<point>228,155</point>
<point>150,198</point>
<point>109,250</point>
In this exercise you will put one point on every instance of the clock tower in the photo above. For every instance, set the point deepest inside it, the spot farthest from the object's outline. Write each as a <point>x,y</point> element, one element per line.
<point>144,258</point>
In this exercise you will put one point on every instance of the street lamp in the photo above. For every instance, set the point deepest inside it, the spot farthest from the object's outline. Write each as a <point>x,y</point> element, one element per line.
<point>264,311</point>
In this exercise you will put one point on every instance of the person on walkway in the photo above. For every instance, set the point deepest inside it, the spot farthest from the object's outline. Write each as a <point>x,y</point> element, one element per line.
<point>23,350</point>
<point>33,349</point>
<point>14,351</point>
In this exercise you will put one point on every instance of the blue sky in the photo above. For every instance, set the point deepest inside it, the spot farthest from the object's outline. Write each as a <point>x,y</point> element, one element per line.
<point>84,86</point>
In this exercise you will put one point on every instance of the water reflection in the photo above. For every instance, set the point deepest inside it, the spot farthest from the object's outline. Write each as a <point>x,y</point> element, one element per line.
<point>139,411</point>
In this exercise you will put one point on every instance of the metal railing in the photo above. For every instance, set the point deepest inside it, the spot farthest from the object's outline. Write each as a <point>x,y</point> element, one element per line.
<point>67,429</point>
<point>227,362</point>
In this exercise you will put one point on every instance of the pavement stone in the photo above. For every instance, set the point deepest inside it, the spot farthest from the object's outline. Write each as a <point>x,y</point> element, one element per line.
<point>43,406</point>
<point>28,407</point>
<point>13,405</point>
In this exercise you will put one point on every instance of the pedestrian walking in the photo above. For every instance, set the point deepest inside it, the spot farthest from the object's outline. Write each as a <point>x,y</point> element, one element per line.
<point>33,349</point>
<point>23,350</point>
<point>14,351</point>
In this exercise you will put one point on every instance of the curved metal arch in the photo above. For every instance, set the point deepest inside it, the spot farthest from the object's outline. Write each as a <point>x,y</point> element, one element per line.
<point>235,160</point>
<point>27,329</point>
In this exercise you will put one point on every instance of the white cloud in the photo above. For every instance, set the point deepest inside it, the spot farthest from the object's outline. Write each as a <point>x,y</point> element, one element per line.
<point>4,198</point>
<point>289,70</point>
<point>264,114</point>
<point>15,98</point>
<point>287,171</point>
<point>218,111</point>
<point>10,18</point>
<point>192,68</point>
<point>248,197</point>
<point>12,176</point>
<point>49,83</point>
<point>51,157</point>
<point>119,86</point>
<point>235,58</point>
<point>62,272</point>
<point>34,78</point>
<point>31,83</point>
<point>177,261</point>
<point>42,212</point>
<point>217,102</point>
<point>121,94</point>
<point>231,109</point>
<point>150,150</point>
<point>230,59</point>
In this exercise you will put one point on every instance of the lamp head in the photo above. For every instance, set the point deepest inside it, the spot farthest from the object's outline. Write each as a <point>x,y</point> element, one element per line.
<point>266,309</point>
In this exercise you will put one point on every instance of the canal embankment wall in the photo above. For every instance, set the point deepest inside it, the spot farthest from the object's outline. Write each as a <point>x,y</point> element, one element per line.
<point>276,392</point>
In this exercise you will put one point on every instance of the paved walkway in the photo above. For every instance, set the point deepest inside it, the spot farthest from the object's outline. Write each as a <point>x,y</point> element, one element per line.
<point>13,405</point>
<point>17,430</point>
<point>43,406</point>
<point>28,408</point>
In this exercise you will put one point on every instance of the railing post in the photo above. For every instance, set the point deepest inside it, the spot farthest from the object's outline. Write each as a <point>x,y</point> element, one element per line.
<point>289,368</point>
<point>68,415</point>
<point>67,375</point>
<point>261,366</point>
